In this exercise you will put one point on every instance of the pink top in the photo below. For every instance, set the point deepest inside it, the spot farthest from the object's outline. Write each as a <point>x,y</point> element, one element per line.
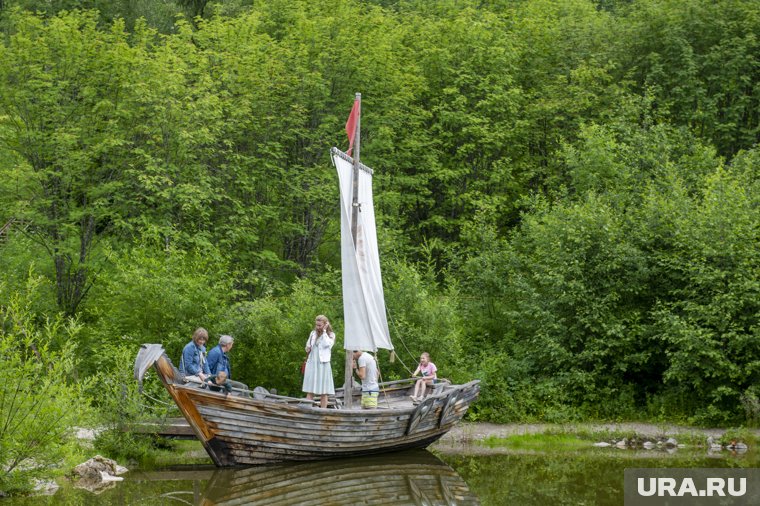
<point>428,370</point>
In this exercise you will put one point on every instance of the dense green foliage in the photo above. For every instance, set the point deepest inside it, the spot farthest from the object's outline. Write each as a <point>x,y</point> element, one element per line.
<point>40,401</point>
<point>566,190</point>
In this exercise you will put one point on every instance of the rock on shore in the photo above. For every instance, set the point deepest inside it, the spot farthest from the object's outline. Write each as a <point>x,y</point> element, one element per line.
<point>98,473</point>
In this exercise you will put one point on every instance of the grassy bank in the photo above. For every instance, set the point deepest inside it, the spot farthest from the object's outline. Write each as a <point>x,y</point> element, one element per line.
<point>573,436</point>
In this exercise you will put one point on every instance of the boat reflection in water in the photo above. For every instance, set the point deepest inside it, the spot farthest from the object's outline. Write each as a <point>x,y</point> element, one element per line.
<point>406,478</point>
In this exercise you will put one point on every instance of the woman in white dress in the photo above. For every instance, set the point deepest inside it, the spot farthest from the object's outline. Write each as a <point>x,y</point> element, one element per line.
<point>318,378</point>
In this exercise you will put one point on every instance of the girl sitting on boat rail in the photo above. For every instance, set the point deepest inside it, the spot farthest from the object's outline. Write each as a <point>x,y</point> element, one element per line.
<point>428,371</point>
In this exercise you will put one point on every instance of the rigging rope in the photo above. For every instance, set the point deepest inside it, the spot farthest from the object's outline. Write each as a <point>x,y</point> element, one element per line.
<point>157,400</point>
<point>393,322</point>
<point>380,380</point>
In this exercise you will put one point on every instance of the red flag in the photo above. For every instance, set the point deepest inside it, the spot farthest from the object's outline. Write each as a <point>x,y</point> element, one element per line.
<point>351,125</point>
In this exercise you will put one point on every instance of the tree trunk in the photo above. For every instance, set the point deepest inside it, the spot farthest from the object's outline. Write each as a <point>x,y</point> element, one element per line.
<point>72,279</point>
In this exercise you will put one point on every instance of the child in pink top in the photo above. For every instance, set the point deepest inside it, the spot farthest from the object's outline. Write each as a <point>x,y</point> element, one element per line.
<point>427,370</point>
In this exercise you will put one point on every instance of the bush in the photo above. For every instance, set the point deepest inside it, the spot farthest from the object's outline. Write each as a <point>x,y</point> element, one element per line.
<point>121,406</point>
<point>40,404</point>
<point>155,296</point>
<point>621,307</point>
<point>270,334</point>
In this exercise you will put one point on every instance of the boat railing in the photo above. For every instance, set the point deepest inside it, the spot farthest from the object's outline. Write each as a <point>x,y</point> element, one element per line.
<point>396,388</point>
<point>440,387</point>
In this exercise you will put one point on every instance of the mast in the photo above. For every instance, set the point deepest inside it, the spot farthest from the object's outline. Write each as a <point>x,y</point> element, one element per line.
<point>349,373</point>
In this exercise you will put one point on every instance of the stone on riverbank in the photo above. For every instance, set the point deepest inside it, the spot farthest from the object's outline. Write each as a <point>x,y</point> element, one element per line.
<point>98,473</point>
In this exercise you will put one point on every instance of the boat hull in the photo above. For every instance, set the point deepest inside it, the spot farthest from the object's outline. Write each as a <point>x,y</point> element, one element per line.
<point>244,431</point>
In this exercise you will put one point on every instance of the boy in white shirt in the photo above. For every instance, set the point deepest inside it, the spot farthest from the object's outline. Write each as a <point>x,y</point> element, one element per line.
<point>366,368</point>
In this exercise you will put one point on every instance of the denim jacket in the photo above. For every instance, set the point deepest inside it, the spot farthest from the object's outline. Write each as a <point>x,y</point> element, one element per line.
<point>193,360</point>
<point>219,361</point>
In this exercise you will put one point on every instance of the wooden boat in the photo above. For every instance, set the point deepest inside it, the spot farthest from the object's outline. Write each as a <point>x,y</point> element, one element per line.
<point>265,428</point>
<point>268,428</point>
<point>408,478</point>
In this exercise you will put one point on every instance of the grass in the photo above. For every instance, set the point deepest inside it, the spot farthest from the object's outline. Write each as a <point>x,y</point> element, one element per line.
<point>740,434</point>
<point>538,442</point>
<point>571,437</point>
<point>173,452</point>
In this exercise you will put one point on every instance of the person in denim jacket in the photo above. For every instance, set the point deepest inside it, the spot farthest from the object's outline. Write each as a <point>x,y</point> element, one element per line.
<point>193,364</point>
<point>218,361</point>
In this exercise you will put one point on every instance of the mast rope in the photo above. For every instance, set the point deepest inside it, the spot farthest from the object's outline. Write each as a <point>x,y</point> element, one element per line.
<point>395,327</point>
<point>380,380</point>
<point>159,401</point>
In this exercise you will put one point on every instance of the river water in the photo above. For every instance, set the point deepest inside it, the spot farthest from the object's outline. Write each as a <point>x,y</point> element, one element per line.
<point>471,475</point>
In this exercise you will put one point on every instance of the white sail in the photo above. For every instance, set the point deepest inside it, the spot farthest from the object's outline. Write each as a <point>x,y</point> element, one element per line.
<point>366,327</point>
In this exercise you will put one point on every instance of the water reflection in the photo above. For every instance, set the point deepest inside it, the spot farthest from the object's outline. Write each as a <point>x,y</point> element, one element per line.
<point>408,478</point>
<point>593,477</point>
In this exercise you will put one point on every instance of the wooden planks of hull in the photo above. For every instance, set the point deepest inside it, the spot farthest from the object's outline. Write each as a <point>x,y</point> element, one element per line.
<point>256,432</point>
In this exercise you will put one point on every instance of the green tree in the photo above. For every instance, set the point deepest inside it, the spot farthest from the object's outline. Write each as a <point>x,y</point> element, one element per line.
<point>60,87</point>
<point>702,254</point>
<point>700,62</point>
<point>155,296</point>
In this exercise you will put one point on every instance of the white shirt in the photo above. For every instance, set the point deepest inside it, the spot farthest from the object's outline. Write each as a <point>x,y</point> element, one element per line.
<point>369,383</point>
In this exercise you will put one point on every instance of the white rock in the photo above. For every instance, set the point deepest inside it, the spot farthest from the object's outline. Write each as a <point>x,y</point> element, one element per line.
<point>602,444</point>
<point>99,463</point>
<point>107,477</point>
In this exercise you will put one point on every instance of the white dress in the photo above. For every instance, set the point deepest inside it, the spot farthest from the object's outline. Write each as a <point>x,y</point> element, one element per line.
<point>318,378</point>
